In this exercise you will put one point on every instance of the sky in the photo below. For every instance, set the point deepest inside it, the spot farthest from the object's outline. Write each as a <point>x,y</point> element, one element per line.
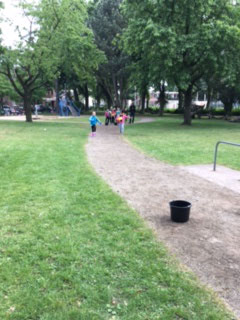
<point>14,15</point>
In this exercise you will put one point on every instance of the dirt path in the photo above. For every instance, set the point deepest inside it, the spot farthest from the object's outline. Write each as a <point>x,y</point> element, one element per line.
<point>209,242</point>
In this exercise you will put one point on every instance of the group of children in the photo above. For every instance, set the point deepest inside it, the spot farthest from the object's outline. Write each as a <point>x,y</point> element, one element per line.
<point>117,117</point>
<point>114,116</point>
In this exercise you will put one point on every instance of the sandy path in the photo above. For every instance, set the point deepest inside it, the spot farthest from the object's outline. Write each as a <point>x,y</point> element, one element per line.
<point>209,242</point>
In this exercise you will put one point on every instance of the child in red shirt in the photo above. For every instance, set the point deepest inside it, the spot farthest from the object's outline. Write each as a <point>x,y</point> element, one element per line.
<point>121,122</point>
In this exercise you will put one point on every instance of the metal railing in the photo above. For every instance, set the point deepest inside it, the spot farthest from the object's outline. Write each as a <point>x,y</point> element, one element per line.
<point>216,150</point>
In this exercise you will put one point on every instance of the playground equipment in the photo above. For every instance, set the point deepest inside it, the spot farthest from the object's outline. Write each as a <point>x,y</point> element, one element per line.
<point>216,150</point>
<point>75,111</point>
<point>66,106</point>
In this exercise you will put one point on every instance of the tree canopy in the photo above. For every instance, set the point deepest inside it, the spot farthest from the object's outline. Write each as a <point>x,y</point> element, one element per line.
<point>186,38</point>
<point>57,36</point>
<point>107,23</point>
<point>109,48</point>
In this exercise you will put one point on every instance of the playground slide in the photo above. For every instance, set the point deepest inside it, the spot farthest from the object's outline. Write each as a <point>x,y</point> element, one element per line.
<point>74,110</point>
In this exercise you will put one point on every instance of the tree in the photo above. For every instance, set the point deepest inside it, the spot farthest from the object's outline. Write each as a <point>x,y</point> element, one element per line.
<point>187,36</point>
<point>30,65</point>
<point>57,31</point>
<point>140,79</point>
<point>6,89</point>
<point>78,52</point>
<point>107,23</point>
<point>1,7</point>
<point>148,69</point>
<point>224,80</point>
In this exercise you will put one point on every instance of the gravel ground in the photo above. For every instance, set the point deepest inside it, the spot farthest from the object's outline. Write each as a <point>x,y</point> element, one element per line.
<point>209,242</point>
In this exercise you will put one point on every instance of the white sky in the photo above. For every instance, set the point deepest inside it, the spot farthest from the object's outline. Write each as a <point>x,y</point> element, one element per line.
<point>10,12</point>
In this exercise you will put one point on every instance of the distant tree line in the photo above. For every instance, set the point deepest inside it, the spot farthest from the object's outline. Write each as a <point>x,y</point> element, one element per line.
<point>113,49</point>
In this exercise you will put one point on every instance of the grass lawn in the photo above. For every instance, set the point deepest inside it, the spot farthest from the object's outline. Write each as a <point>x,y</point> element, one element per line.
<point>79,120</point>
<point>169,141</point>
<point>71,249</point>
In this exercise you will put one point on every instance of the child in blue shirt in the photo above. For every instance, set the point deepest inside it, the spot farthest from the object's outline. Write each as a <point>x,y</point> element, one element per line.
<point>93,123</point>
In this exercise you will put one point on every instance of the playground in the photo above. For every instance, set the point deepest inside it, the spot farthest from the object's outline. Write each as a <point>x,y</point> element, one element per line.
<point>65,233</point>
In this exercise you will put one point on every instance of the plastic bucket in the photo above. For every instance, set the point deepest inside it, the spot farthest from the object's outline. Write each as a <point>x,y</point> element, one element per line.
<point>180,210</point>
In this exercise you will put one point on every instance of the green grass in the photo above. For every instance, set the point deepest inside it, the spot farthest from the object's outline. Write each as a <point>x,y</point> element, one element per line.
<point>71,249</point>
<point>78,120</point>
<point>169,141</point>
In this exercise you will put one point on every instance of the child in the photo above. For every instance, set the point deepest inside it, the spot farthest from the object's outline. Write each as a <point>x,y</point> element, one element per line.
<point>121,122</point>
<point>107,117</point>
<point>93,123</point>
<point>118,112</point>
<point>113,115</point>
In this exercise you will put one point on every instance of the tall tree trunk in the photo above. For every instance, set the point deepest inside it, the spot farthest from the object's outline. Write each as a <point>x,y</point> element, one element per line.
<point>109,102</point>
<point>27,106</point>
<point>86,97</point>
<point>162,99</point>
<point>187,106</point>
<point>148,98</point>
<point>116,94</point>
<point>180,100</point>
<point>228,106</point>
<point>121,93</point>
<point>143,100</point>
<point>57,95</point>
<point>98,102</point>
<point>76,96</point>
<point>209,97</point>
<point>228,96</point>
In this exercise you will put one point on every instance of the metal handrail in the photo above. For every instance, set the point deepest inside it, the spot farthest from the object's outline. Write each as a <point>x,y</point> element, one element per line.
<point>216,150</point>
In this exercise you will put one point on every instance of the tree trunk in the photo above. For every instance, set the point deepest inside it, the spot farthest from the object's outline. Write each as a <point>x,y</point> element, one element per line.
<point>148,98</point>
<point>27,106</point>
<point>98,102</point>
<point>187,106</point>
<point>76,96</point>
<point>209,97</point>
<point>143,99</point>
<point>180,100</point>
<point>162,100</point>
<point>121,93</point>
<point>86,97</point>
<point>109,102</point>
<point>116,94</point>
<point>57,95</point>
<point>228,106</point>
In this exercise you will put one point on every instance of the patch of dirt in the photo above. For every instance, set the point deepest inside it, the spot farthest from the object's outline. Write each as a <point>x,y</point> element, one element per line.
<point>209,242</point>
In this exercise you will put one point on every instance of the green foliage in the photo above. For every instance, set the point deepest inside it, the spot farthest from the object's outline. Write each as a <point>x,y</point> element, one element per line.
<point>6,89</point>
<point>107,23</point>
<point>184,40</point>
<point>57,37</point>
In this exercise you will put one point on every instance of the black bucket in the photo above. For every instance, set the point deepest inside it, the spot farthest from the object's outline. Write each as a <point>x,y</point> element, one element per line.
<point>180,210</point>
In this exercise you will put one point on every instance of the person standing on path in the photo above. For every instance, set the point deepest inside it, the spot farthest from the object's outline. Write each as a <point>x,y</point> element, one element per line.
<point>93,123</point>
<point>132,111</point>
<point>121,122</point>
<point>36,110</point>
<point>107,117</point>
